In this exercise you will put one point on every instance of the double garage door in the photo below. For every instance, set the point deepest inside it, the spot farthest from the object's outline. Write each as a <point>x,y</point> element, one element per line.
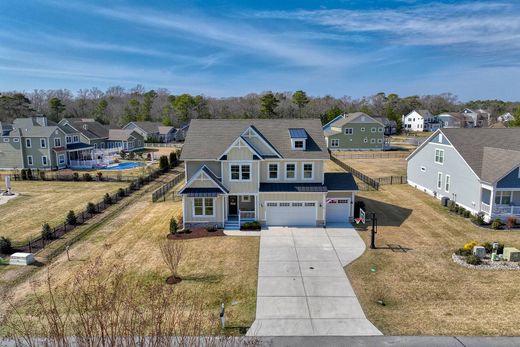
<point>294,213</point>
<point>338,210</point>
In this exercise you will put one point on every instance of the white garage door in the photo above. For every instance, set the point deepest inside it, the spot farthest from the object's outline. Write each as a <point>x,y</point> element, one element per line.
<point>299,213</point>
<point>338,210</point>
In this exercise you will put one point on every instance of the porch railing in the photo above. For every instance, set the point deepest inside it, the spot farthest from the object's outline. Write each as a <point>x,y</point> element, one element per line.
<point>246,216</point>
<point>485,208</point>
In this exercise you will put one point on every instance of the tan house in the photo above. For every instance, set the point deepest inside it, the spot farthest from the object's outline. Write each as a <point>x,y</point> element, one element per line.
<point>271,171</point>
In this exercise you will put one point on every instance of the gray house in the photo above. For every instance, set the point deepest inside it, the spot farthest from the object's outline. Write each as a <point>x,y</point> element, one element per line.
<point>479,169</point>
<point>153,131</point>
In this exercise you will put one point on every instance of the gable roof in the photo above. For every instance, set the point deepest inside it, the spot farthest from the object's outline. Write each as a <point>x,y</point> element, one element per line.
<point>424,113</point>
<point>88,127</point>
<point>209,138</point>
<point>120,134</point>
<point>204,169</point>
<point>498,162</point>
<point>352,117</point>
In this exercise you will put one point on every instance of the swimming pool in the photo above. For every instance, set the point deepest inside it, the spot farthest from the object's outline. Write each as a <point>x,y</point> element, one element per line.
<point>124,165</point>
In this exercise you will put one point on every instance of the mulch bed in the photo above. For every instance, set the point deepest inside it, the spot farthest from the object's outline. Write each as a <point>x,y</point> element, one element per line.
<point>196,233</point>
<point>173,280</point>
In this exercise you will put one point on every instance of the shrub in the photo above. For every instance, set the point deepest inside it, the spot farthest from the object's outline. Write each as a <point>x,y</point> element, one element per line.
<point>140,180</point>
<point>466,214</point>
<point>211,228</point>
<point>163,163</point>
<point>478,219</point>
<point>451,206</point>
<point>500,248</point>
<point>131,155</point>
<point>107,199</point>
<point>75,176</point>
<point>122,154</point>
<point>121,192</point>
<point>42,175</point>
<point>488,246</point>
<point>87,177</point>
<point>29,174</point>
<point>511,222</point>
<point>91,208</point>
<point>24,174</point>
<point>469,246</point>
<point>71,218</point>
<point>46,232</point>
<point>99,176</point>
<point>251,226</point>
<point>497,224</point>
<point>173,159</point>
<point>132,186</point>
<point>5,245</point>
<point>463,252</point>
<point>473,260</point>
<point>173,226</point>
<point>461,210</point>
<point>456,209</point>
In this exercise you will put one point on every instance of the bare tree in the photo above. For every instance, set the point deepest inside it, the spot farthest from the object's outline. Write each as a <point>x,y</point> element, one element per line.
<point>172,252</point>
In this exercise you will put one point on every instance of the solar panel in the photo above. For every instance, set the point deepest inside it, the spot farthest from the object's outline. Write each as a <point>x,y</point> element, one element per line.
<point>297,133</point>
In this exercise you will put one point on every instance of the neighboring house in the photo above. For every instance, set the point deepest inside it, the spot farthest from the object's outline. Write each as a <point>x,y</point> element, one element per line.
<point>390,125</point>
<point>479,169</point>
<point>153,131</point>
<point>267,170</point>
<point>354,132</point>
<point>180,133</point>
<point>126,139</point>
<point>506,117</point>
<point>420,120</point>
<point>455,120</point>
<point>479,118</point>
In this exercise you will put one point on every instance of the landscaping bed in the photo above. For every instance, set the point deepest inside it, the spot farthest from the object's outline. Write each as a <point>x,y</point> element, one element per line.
<point>486,264</point>
<point>196,233</point>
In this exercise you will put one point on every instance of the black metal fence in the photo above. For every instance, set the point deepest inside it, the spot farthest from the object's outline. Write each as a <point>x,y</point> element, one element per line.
<point>73,177</point>
<point>392,180</point>
<point>371,183</point>
<point>368,155</point>
<point>162,191</point>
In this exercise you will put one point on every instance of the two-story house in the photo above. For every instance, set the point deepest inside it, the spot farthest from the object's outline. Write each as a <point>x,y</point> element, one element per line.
<point>355,132</point>
<point>271,171</point>
<point>456,120</point>
<point>153,131</point>
<point>479,169</point>
<point>421,120</point>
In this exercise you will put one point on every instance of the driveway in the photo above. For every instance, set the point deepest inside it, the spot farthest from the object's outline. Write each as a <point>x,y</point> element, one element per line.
<point>302,287</point>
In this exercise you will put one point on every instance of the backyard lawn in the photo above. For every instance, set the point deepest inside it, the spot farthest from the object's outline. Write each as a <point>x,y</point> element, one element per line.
<point>425,292</point>
<point>47,202</point>
<point>376,168</point>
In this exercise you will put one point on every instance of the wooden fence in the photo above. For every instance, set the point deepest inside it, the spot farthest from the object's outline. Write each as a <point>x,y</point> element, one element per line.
<point>368,155</point>
<point>162,191</point>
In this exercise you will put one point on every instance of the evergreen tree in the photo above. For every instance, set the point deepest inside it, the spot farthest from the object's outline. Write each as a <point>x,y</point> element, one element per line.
<point>269,102</point>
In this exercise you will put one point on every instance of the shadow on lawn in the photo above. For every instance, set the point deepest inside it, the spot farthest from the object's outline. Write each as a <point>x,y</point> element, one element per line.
<point>387,215</point>
<point>203,278</point>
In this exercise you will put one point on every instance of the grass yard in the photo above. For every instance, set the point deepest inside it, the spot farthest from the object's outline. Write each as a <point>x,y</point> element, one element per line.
<point>376,168</point>
<point>222,269</point>
<point>425,292</point>
<point>47,202</point>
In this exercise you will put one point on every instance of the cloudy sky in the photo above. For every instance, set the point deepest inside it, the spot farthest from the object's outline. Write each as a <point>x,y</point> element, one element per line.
<point>234,47</point>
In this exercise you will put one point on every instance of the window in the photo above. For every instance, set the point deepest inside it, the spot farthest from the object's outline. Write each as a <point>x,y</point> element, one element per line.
<point>373,130</point>
<point>503,198</point>
<point>6,139</point>
<point>297,204</point>
<point>44,160</point>
<point>245,198</point>
<point>272,171</point>
<point>349,131</point>
<point>298,144</point>
<point>379,140</point>
<point>440,138</point>
<point>57,142</point>
<point>272,204</point>
<point>240,172</point>
<point>61,159</point>
<point>43,143</point>
<point>290,171</point>
<point>310,204</point>
<point>16,140</point>
<point>334,143</point>
<point>372,140</point>
<point>365,140</point>
<point>76,138</point>
<point>423,168</point>
<point>381,130</point>
<point>362,129</point>
<point>29,160</point>
<point>439,156</point>
<point>439,180</point>
<point>308,169</point>
<point>68,139</point>
<point>447,184</point>
<point>28,143</point>
<point>203,207</point>
<point>285,204</point>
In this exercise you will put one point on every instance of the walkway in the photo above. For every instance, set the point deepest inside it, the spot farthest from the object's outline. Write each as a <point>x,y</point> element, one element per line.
<point>302,287</point>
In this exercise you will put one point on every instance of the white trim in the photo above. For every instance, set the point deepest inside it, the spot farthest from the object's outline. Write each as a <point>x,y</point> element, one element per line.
<point>28,143</point>
<point>440,151</point>
<point>44,142</point>
<point>447,183</point>
<point>290,202</point>
<point>439,180</point>
<point>263,141</point>
<point>203,207</point>
<point>303,171</point>
<point>351,132</point>
<point>295,171</point>
<point>332,141</point>
<point>31,161</point>
<point>269,171</point>
<point>240,164</point>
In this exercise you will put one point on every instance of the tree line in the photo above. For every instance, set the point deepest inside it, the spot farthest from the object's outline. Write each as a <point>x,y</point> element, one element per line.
<point>117,106</point>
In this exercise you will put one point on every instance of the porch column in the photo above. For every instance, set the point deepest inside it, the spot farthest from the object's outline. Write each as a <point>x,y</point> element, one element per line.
<point>491,202</point>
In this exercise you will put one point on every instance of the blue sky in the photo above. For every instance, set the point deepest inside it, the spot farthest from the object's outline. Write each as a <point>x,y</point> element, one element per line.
<point>234,47</point>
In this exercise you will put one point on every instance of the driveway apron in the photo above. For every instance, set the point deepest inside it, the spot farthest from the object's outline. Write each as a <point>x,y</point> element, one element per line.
<point>302,287</point>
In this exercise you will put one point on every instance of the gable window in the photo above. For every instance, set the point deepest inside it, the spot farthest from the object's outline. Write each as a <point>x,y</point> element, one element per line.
<point>439,156</point>
<point>503,198</point>
<point>29,160</point>
<point>439,180</point>
<point>28,143</point>
<point>334,142</point>
<point>290,171</point>
<point>43,143</point>
<point>57,142</point>
<point>447,184</point>
<point>308,171</point>
<point>44,160</point>
<point>349,131</point>
<point>203,207</point>
<point>272,171</point>
<point>240,172</point>
<point>68,139</point>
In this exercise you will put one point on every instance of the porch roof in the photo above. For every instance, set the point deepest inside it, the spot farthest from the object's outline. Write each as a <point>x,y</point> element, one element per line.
<point>201,192</point>
<point>293,187</point>
<point>342,181</point>
<point>78,146</point>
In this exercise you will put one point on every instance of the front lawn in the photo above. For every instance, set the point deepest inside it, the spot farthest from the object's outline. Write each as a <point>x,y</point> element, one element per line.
<point>425,292</point>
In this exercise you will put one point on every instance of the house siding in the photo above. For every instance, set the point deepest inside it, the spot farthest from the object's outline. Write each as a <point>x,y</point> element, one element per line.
<point>10,153</point>
<point>218,217</point>
<point>236,187</point>
<point>356,140</point>
<point>317,177</point>
<point>511,180</point>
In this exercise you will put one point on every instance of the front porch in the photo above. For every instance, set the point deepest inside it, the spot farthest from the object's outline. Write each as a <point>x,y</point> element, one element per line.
<point>500,204</point>
<point>240,209</point>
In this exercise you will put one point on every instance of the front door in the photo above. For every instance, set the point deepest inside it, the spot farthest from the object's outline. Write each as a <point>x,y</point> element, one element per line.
<point>233,205</point>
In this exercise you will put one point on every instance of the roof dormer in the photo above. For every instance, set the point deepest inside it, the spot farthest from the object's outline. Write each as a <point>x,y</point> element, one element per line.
<point>298,139</point>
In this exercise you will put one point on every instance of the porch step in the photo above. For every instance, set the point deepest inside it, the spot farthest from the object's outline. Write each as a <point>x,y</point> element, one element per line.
<point>232,225</point>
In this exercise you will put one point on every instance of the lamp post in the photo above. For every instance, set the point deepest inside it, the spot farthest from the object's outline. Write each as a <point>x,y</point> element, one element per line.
<point>373,233</point>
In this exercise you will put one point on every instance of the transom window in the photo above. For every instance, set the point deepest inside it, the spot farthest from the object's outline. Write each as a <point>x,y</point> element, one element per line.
<point>334,143</point>
<point>290,171</point>
<point>503,198</point>
<point>273,171</point>
<point>308,169</point>
<point>439,156</point>
<point>203,207</point>
<point>240,172</point>
<point>349,131</point>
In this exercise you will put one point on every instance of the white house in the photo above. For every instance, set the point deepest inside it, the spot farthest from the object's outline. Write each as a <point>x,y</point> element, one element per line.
<point>420,120</point>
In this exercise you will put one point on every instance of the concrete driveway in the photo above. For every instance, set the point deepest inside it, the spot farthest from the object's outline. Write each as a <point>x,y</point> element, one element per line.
<point>302,287</point>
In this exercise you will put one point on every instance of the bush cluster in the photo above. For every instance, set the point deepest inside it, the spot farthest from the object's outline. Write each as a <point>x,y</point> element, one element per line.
<point>473,260</point>
<point>251,226</point>
<point>497,224</point>
<point>5,245</point>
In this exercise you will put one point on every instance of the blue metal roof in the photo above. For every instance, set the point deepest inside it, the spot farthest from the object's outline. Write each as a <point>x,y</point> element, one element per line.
<point>297,133</point>
<point>79,145</point>
<point>201,192</point>
<point>293,187</point>
<point>340,181</point>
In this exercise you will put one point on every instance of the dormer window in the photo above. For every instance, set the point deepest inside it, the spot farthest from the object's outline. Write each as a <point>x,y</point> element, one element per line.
<point>298,139</point>
<point>298,144</point>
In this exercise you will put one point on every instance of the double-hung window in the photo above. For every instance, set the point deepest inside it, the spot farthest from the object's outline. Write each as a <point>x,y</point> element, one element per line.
<point>29,160</point>
<point>349,131</point>
<point>290,171</point>
<point>43,143</point>
<point>76,138</point>
<point>57,142</point>
<point>68,139</point>
<point>272,171</point>
<point>203,207</point>
<point>334,142</point>
<point>439,180</point>
<point>240,172</point>
<point>503,198</point>
<point>308,171</point>
<point>439,156</point>
<point>28,143</point>
<point>44,160</point>
<point>447,183</point>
